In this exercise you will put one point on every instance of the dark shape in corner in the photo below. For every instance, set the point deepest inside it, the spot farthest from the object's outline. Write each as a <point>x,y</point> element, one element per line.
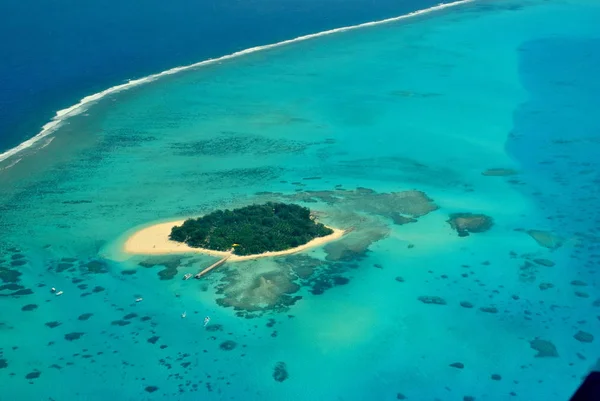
<point>589,389</point>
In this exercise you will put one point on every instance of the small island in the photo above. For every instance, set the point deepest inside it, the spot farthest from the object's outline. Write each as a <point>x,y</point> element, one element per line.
<point>255,231</point>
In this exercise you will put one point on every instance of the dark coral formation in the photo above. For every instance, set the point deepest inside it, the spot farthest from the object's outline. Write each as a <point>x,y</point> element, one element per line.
<point>128,272</point>
<point>544,348</point>
<point>435,300</point>
<point>150,389</point>
<point>280,372</point>
<point>499,172</point>
<point>544,262</point>
<point>29,307</point>
<point>97,267</point>
<point>85,316</point>
<point>61,267</point>
<point>466,304</point>
<point>466,223</point>
<point>583,336</point>
<point>73,336</point>
<point>229,143</point>
<point>324,282</point>
<point>9,275</point>
<point>170,264</point>
<point>400,220</point>
<point>214,327</point>
<point>33,375</point>
<point>228,345</point>
<point>528,272</point>
<point>457,365</point>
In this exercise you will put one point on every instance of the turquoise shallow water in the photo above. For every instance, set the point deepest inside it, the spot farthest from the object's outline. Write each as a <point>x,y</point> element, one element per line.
<point>341,123</point>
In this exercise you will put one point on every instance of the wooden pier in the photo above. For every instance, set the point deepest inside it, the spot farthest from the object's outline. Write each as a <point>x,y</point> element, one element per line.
<point>213,266</point>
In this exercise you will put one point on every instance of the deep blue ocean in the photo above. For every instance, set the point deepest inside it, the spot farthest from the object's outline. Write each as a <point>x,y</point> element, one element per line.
<point>55,53</point>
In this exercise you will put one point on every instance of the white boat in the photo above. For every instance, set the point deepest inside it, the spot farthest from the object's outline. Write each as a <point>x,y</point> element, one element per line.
<point>187,276</point>
<point>184,314</point>
<point>53,289</point>
<point>59,293</point>
<point>206,320</point>
<point>139,299</point>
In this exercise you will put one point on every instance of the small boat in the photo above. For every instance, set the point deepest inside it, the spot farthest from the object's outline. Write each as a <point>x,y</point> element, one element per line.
<point>139,299</point>
<point>206,320</point>
<point>187,276</point>
<point>59,293</point>
<point>53,289</point>
<point>184,314</point>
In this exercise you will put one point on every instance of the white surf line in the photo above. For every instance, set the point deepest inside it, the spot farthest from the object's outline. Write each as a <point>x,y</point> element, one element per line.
<point>64,114</point>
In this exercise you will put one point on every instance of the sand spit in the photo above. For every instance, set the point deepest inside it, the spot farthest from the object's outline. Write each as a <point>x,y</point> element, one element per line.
<point>154,240</point>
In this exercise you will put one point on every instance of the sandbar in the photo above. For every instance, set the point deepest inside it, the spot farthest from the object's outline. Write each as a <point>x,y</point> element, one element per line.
<point>154,240</point>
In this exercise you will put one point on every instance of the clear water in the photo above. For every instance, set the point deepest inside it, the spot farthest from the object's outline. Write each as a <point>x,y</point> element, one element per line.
<point>426,104</point>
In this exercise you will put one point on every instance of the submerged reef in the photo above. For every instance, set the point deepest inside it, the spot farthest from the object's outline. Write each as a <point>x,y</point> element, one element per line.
<point>546,239</point>
<point>544,348</point>
<point>254,288</point>
<point>170,264</point>
<point>466,223</point>
<point>401,207</point>
<point>584,337</point>
<point>280,372</point>
<point>251,292</point>
<point>499,172</point>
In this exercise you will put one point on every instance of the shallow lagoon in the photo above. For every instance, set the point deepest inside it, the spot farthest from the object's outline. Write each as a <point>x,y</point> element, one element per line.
<point>345,124</point>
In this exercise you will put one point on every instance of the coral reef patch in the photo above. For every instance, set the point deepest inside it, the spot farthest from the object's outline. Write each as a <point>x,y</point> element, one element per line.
<point>467,223</point>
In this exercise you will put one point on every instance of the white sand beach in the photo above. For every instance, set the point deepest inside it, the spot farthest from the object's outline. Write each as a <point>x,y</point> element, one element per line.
<point>154,240</point>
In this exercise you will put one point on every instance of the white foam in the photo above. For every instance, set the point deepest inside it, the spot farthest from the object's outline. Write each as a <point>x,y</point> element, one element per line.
<point>11,164</point>
<point>78,108</point>
<point>48,142</point>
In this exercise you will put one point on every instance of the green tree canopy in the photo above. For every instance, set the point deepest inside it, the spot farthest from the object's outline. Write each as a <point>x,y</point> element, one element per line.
<point>255,229</point>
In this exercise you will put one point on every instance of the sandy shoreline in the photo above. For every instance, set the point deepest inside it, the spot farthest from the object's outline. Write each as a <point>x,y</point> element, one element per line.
<point>154,240</point>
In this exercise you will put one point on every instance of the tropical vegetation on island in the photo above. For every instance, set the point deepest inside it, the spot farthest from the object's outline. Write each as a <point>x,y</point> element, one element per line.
<point>252,229</point>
